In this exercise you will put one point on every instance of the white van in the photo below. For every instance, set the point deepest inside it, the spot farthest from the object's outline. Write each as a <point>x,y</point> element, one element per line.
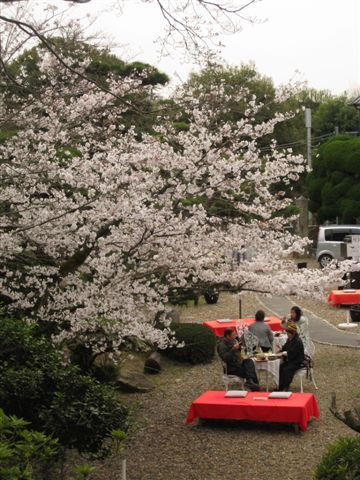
<point>331,244</point>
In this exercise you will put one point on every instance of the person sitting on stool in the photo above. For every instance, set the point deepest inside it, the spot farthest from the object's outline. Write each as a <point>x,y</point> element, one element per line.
<point>293,355</point>
<point>229,350</point>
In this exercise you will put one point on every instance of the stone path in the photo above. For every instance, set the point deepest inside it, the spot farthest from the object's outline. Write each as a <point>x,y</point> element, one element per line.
<point>320,330</point>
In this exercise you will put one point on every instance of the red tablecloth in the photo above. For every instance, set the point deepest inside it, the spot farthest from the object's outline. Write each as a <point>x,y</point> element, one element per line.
<point>298,409</point>
<point>342,297</point>
<point>219,327</point>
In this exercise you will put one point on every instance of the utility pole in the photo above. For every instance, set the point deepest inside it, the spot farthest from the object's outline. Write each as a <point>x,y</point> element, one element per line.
<point>308,135</point>
<point>308,144</point>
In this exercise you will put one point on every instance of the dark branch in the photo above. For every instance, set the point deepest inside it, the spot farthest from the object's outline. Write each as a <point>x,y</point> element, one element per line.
<point>29,30</point>
<point>15,1</point>
<point>348,417</point>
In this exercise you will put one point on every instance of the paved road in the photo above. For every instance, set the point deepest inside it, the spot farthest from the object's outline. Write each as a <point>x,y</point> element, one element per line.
<point>320,330</point>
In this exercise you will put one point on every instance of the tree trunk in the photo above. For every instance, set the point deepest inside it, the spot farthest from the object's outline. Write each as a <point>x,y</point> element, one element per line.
<point>350,419</point>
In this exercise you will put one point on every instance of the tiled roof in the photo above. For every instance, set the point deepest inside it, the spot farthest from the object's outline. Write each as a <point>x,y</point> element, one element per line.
<point>355,102</point>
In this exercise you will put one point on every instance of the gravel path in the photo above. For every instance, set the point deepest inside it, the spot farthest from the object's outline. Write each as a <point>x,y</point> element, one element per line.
<point>163,447</point>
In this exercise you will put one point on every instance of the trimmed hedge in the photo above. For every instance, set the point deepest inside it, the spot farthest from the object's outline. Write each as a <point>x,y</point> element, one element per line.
<point>199,343</point>
<point>341,460</point>
<point>333,184</point>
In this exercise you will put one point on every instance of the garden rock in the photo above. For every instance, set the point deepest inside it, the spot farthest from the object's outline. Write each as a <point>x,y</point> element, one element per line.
<point>131,379</point>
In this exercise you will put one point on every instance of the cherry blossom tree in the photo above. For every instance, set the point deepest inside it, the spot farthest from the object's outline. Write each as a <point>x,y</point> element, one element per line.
<point>98,224</point>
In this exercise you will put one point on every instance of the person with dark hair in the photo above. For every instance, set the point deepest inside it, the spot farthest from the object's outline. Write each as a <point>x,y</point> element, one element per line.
<point>293,356</point>
<point>229,350</point>
<point>262,331</point>
<point>296,316</point>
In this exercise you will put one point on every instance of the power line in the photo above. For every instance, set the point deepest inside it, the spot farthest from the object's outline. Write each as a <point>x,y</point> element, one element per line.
<point>298,142</point>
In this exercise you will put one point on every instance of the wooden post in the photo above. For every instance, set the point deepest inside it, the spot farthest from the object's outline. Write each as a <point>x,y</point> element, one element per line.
<point>123,469</point>
<point>240,301</point>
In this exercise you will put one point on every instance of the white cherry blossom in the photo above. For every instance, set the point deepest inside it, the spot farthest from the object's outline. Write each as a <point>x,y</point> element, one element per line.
<point>98,224</point>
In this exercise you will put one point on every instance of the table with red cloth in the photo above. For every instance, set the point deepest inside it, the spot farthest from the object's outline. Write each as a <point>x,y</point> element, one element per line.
<point>297,409</point>
<point>218,327</point>
<point>343,297</point>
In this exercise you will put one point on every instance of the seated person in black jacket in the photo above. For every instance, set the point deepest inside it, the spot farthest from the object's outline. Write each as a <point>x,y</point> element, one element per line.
<point>229,350</point>
<point>293,355</point>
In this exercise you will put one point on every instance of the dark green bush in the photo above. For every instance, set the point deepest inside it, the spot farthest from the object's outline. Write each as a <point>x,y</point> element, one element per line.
<point>56,397</point>
<point>199,343</point>
<point>83,413</point>
<point>105,373</point>
<point>341,460</point>
<point>29,368</point>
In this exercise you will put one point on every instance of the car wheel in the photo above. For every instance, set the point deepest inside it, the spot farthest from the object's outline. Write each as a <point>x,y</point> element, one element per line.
<point>211,297</point>
<point>325,259</point>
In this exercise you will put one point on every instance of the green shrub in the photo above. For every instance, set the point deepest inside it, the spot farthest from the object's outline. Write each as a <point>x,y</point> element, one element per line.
<point>106,373</point>
<point>56,398</point>
<point>83,413</point>
<point>24,454</point>
<point>341,460</point>
<point>29,368</point>
<point>199,343</point>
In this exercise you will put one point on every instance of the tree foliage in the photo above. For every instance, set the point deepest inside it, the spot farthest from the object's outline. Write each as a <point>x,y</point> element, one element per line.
<point>246,78</point>
<point>101,66</point>
<point>233,81</point>
<point>335,112</point>
<point>334,182</point>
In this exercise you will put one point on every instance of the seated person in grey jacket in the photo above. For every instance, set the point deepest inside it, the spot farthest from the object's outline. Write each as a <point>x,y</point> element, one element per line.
<point>262,331</point>
<point>229,350</point>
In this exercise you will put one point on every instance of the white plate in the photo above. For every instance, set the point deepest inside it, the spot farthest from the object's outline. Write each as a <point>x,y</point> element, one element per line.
<point>349,290</point>
<point>224,320</point>
<point>280,394</point>
<point>236,393</point>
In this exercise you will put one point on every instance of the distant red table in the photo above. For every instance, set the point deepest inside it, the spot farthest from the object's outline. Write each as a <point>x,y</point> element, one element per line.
<point>298,409</point>
<point>343,297</point>
<point>218,327</point>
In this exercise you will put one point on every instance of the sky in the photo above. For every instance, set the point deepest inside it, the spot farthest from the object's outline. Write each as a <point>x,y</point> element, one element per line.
<point>318,38</point>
